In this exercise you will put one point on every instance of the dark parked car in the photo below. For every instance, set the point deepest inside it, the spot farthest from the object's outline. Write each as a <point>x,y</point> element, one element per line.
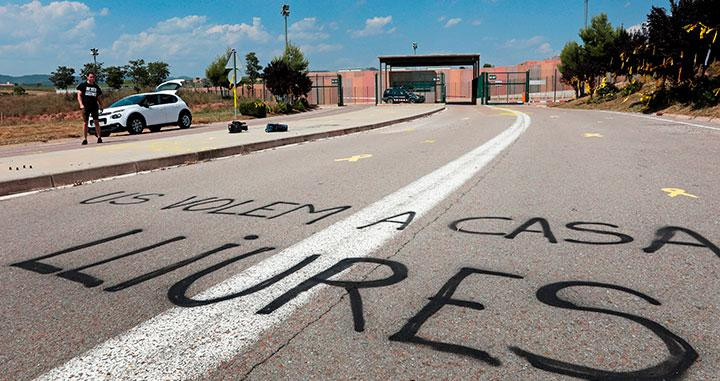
<point>398,94</point>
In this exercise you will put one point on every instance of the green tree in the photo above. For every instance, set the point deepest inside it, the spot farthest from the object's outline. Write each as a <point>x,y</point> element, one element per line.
<point>138,73</point>
<point>572,66</point>
<point>63,77</point>
<point>295,58</point>
<point>115,76</point>
<point>93,68</point>
<point>157,72</point>
<point>598,41</point>
<point>216,73</point>
<point>285,82</point>
<point>252,71</point>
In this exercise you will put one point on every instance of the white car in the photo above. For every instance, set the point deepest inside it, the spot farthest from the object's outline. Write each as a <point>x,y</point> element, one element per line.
<point>136,112</point>
<point>172,85</point>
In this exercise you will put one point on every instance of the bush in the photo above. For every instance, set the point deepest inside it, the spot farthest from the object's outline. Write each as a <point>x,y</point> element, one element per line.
<point>631,88</point>
<point>282,108</point>
<point>18,90</point>
<point>256,108</point>
<point>299,105</point>
<point>606,90</point>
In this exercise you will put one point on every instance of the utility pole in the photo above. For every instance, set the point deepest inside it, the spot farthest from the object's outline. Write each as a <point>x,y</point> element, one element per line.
<point>414,46</point>
<point>286,12</point>
<point>586,13</point>
<point>94,53</point>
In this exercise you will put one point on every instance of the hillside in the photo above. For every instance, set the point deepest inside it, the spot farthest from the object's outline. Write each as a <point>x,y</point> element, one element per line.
<point>27,79</point>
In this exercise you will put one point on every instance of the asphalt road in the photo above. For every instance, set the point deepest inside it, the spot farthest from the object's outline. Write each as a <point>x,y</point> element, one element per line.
<point>477,243</point>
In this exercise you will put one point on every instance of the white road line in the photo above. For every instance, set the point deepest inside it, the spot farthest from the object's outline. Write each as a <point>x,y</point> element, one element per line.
<point>184,343</point>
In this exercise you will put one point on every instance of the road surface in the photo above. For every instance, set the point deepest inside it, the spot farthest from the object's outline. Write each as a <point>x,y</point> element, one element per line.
<point>477,243</point>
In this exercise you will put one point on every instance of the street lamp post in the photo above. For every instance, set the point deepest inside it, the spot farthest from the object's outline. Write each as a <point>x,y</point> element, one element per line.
<point>286,12</point>
<point>414,46</point>
<point>94,53</point>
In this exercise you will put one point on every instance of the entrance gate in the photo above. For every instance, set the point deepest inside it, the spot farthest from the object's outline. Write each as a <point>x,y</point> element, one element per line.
<point>503,87</point>
<point>326,89</point>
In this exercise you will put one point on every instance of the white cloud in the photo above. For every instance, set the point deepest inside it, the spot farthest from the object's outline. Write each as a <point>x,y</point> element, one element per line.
<point>375,26</point>
<point>634,28</point>
<point>545,49</point>
<point>452,22</point>
<point>442,18</point>
<point>186,38</point>
<point>104,12</point>
<point>320,48</point>
<point>35,34</point>
<point>524,43</point>
<point>306,29</point>
<point>476,22</point>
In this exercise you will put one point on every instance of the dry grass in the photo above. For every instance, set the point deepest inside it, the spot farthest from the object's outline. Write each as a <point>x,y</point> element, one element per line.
<point>40,131</point>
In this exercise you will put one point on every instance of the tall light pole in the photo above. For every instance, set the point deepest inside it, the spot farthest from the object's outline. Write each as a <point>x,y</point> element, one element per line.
<point>286,12</point>
<point>94,53</point>
<point>586,13</point>
<point>414,45</point>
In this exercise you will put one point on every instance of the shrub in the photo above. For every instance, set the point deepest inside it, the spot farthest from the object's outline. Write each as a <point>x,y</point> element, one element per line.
<point>282,108</point>
<point>606,90</point>
<point>256,108</point>
<point>299,105</point>
<point>631,88</point>
<point>18,90</point>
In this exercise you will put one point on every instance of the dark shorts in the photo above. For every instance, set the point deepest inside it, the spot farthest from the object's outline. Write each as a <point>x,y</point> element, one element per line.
<point>87,112</point>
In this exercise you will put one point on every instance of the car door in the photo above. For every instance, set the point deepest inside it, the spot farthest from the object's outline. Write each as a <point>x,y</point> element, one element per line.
<point>170,108</point>
<point>153,111</point>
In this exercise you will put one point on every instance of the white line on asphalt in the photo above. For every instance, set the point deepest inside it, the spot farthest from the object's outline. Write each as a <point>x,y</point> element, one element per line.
<point>188,342</point>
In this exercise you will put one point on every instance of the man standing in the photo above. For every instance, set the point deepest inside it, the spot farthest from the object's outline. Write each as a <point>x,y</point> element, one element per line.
<point>89,97</point>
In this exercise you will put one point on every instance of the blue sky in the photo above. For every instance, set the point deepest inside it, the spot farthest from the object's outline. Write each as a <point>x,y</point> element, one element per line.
<point>38,36</point>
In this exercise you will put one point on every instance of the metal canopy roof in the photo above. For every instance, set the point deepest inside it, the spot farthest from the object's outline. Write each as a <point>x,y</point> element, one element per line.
<point>431,60</point>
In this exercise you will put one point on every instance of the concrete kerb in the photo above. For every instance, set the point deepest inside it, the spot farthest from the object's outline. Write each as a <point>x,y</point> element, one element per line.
<point>90,174</point>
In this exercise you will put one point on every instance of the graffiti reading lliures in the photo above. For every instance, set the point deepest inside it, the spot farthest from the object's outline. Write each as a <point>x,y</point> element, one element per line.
<point>681,353</point>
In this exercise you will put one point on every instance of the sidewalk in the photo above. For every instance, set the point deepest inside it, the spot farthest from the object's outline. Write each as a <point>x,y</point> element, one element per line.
<point>27,172</point>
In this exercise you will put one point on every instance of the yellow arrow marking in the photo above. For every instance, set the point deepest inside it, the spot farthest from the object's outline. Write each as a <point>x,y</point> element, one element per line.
<point>507,114</point>
<point>429,141</point>
<point>592,135</point>
<point>411,129</point>
<point>674,192</point>
<point>355,158</point>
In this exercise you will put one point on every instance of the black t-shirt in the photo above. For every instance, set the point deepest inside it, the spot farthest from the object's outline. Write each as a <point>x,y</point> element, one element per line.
<point>89,94</point>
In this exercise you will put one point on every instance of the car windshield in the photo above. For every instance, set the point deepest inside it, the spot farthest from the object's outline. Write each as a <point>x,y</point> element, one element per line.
<point>127,101</point>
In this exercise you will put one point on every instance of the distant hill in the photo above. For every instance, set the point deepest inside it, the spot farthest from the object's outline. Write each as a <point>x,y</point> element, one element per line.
<point>27,79</point>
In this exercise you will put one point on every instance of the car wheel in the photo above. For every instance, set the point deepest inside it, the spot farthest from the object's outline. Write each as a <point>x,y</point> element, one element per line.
<point>135,125</point>
<point>154,128</point>
<point>185,119</point>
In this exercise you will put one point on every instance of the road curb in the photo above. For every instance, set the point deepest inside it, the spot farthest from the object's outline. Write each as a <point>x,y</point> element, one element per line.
<point>90,174</point>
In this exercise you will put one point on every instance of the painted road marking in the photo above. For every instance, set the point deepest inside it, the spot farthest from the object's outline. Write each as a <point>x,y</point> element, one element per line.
<point>429,141</point>
<point>189,342</point>
<point>355,158</point>
<point>507,113</point>
<point>674,192</point>
<point>592,135</point>
<point>554,116</point>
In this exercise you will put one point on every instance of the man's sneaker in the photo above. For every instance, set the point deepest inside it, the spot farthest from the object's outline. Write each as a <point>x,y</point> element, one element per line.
<point>99,140</point>
<point>84,142</point>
